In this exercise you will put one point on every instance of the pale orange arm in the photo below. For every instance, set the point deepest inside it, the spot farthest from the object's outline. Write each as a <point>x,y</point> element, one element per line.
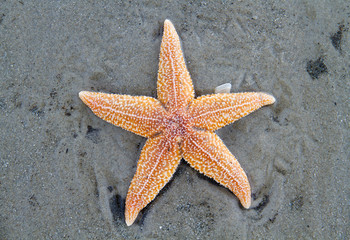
<point>158,162</point>
<point>205,151</point>
<point>212,112</point>
<point>174,86</point>
<point>140,115</point>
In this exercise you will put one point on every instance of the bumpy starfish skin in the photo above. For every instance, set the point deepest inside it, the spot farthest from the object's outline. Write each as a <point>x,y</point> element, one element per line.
<point>177,126</point>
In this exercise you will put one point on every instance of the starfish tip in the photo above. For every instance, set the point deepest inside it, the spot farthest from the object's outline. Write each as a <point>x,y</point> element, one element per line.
<point>85,96</point>
<point>247,203</point>
<point>169,25</point>
<point>129,218</point>
<point>267,98</point>
<point>128,223</point>
<point>82,94</point>
<point>167,21</point>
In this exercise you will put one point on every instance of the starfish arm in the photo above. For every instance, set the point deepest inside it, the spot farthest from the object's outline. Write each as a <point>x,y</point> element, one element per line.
<point>174,86</point>
<point>140,115</point>
<point>205,151</point>
<point>215,111</point>
<point>158,162</point>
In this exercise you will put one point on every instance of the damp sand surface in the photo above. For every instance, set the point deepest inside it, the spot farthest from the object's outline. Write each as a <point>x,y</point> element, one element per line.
<point>64,173</point>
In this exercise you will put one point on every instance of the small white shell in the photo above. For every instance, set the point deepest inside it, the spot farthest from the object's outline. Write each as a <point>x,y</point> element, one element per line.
<point>223,88</point>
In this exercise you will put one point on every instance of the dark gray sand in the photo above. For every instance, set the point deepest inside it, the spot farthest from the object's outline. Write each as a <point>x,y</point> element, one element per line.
<point>64,173</point>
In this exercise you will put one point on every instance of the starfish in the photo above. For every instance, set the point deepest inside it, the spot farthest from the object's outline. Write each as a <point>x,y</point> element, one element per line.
<point>177,126</point>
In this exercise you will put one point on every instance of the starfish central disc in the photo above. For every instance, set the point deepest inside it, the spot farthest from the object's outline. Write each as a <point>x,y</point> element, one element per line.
<point>177,126</point>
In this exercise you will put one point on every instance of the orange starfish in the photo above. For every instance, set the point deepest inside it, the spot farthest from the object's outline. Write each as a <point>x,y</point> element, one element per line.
<point>177,126</point>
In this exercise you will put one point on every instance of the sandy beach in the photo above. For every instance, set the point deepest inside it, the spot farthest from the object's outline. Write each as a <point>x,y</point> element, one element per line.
<point>65,173</point>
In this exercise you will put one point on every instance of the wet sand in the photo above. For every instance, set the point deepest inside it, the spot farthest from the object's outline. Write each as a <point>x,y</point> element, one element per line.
<point>64,173</point>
